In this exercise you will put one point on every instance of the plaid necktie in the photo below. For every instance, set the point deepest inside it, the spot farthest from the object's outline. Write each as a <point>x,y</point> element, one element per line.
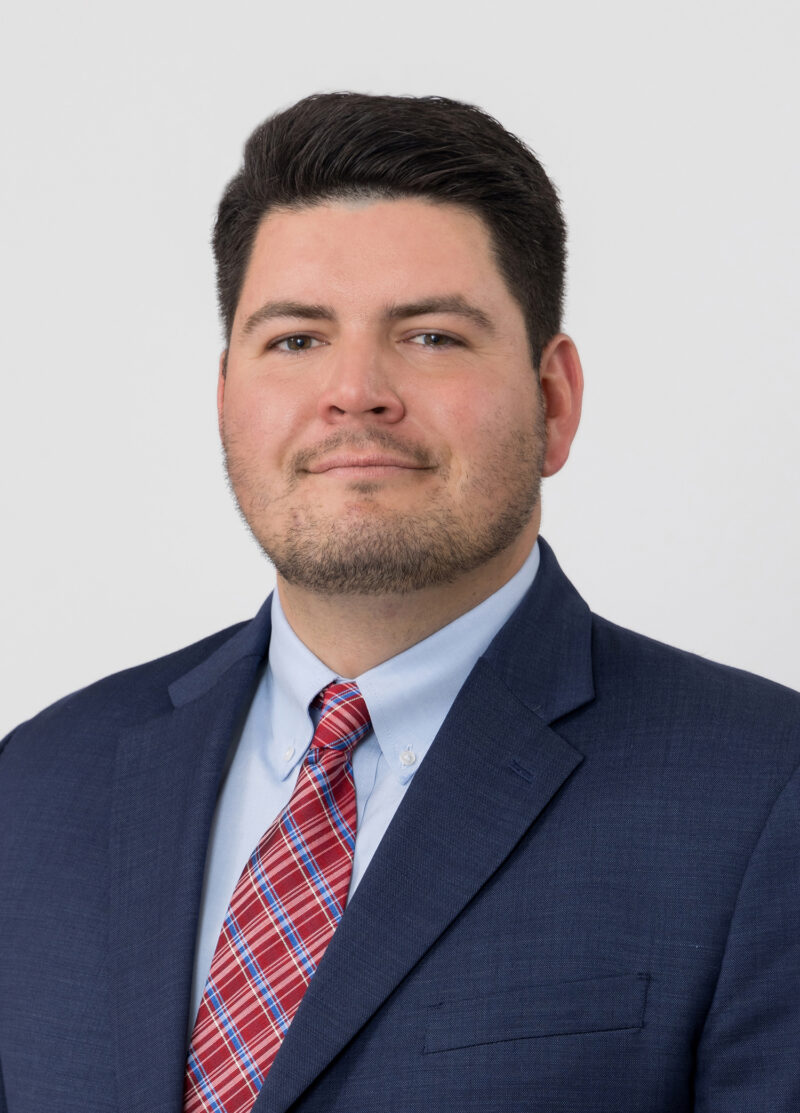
<point>282,914</point>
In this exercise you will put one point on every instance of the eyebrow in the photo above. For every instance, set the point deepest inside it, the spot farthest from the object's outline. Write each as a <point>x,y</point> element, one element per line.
<point>452,303</point>
<point>296,309</point>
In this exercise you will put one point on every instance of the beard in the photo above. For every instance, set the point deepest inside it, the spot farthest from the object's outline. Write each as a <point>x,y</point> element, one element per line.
<point>372,549</point>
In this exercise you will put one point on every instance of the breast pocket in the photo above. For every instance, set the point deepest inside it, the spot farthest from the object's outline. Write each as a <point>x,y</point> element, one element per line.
<point>606,1004</point>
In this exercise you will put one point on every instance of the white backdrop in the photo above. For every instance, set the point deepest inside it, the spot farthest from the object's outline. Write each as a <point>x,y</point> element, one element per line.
<point>668,130</point>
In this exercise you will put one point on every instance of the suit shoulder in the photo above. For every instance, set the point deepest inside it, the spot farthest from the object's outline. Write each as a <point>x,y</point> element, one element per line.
<point>135,693</point>
<point>652,674</point>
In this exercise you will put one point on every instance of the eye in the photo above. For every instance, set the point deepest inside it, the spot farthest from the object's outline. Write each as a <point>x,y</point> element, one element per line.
<point>434,340</point>
<point>297,343</point>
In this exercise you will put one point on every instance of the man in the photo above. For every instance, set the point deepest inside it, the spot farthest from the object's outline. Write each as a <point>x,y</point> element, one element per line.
<point>425,834</point>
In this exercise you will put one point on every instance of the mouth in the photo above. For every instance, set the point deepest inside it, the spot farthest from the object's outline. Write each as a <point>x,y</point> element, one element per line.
<point>372,465</point>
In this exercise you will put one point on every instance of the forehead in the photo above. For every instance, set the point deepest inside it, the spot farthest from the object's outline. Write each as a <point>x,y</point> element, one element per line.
<point>372,252</point>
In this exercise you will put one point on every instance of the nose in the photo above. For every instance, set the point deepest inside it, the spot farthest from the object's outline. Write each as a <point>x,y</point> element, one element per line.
<point>359,387</point>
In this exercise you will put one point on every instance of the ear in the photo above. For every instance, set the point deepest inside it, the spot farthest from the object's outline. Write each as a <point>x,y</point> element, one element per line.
<point>223,367</point>
<point>561,378</point>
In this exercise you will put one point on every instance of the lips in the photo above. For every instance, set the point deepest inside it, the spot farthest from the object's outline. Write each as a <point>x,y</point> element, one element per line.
<point>356,461</point>
<point>378,454</point>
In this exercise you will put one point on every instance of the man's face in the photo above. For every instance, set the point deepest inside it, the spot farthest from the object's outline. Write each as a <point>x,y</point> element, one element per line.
<point>381,419</point>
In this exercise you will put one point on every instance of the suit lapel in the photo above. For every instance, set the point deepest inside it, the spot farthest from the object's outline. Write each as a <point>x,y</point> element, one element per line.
<point>494,766</point>
<point>167,780</point>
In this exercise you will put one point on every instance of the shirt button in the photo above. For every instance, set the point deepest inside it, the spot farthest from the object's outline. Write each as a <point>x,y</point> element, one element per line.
<point>288,754</point>
<point>408,757</point>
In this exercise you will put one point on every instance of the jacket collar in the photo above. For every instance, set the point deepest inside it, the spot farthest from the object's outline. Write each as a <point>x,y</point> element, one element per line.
<point>543,653</point>
<point>250,640</point>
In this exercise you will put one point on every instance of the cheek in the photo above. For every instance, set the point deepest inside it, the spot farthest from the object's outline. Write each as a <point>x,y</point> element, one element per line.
<point>498,442</point>
<point>471,421</point>
<point>463,424</point>
<point>454,409</point>
<point>257,420</point>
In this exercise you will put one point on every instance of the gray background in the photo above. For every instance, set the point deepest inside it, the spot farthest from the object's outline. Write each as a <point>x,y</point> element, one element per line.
<point>670,132</point>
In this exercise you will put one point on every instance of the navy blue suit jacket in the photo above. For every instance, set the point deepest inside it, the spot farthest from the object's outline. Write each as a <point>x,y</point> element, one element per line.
<point>589,899</point>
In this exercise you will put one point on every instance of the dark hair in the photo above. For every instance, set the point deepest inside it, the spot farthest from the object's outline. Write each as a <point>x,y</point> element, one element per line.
<point>350,145</point>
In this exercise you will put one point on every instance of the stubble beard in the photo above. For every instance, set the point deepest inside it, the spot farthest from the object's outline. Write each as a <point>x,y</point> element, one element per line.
<point>388,551</point>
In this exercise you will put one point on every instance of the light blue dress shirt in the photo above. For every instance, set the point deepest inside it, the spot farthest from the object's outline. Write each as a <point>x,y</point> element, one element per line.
<point>408,698</point>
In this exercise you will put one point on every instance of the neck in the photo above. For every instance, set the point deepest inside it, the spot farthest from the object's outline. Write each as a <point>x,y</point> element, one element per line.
<point>354,633</point>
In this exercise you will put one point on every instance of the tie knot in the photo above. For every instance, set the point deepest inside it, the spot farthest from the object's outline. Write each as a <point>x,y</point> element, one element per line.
<point>344,720</point>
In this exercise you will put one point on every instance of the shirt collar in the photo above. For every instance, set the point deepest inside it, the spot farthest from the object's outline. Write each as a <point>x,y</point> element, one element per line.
<point>408,696</point>
<point>293,678</point>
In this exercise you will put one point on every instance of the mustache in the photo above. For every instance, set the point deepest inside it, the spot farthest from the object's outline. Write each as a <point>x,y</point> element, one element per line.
<point>376,438</point>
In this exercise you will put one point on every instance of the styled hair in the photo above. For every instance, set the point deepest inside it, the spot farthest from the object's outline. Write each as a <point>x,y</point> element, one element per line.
<point>333,146</point>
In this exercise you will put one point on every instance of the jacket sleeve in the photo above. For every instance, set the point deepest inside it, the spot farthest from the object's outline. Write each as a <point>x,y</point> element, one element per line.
<point>748,1055</point>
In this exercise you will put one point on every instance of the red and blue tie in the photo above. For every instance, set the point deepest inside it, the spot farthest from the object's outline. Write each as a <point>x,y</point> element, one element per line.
<point>283,912</point>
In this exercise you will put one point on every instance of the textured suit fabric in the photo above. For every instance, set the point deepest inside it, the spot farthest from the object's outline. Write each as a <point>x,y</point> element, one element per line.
<point>588,900</point>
